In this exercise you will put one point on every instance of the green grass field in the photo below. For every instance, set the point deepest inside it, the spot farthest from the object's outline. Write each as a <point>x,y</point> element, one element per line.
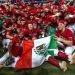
<point>44,69</point>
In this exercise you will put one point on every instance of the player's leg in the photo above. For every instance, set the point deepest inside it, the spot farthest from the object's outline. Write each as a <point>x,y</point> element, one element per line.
<point>71,54</point>
<point>56,63</point>
<point>4,57</point>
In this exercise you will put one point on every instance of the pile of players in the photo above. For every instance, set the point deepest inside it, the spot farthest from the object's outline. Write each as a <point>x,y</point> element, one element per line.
<point>32,21</point>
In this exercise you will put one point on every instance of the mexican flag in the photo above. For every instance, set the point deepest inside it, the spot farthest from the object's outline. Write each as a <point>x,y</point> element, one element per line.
<point>53,46</point>
<point>31,56</point>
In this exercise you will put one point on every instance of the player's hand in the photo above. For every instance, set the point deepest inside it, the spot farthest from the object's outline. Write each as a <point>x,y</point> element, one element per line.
<point>58,39</point>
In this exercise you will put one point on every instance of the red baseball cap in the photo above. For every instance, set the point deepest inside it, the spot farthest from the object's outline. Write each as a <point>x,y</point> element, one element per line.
<point>23,19</point>
<point>62,21</point>
<point>40,9</point>
<point>55,7</point>
<point>25,9</point>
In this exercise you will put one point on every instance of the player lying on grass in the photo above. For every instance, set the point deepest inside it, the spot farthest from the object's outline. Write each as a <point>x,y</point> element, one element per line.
<point>16,52</point>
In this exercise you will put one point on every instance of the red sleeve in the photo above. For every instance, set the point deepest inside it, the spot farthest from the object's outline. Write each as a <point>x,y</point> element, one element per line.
<point>71,9</point>
<point>14,40</point>
<point>39,30</point>
<point>69,35</point>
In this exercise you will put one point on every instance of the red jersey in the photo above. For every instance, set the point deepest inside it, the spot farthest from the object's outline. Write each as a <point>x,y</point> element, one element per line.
<point>71,9</point>
<point>32,33</point>
<point>9,32</point>
<point>15,25</point>
<point>7,23</point>
<point>37,31</point>
<point>17,46</point>
<point>67,35</point>
<point>29,33</point>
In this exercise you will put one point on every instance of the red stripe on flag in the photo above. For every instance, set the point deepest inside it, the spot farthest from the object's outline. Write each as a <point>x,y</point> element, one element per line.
<point>26,59</point>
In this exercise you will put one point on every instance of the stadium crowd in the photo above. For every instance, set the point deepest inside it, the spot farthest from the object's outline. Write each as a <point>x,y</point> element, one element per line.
<point>33,20</point>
